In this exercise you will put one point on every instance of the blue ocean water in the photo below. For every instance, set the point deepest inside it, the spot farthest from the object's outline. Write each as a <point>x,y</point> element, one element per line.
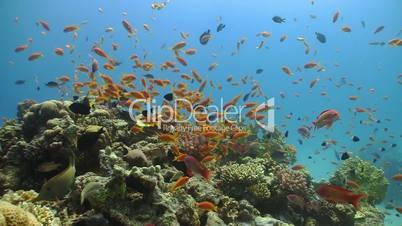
<point>346,55</point>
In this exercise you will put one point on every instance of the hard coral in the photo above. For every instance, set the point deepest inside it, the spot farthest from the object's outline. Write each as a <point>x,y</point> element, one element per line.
<point>292,182</point>
<point>15,216</point>
<point>371,179</point>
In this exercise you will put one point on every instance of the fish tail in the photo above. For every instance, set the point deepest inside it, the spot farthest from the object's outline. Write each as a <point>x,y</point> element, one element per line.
<point>356,200</point>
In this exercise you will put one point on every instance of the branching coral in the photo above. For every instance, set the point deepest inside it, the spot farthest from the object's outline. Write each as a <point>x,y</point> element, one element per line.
<point>292,182</point>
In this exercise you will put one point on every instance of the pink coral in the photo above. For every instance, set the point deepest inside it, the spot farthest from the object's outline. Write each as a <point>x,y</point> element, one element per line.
<point>292,182</point>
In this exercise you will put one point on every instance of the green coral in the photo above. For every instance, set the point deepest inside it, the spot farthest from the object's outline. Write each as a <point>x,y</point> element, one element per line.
<point>370,178</point>
<point>247,179</point>
<point>369,215</point>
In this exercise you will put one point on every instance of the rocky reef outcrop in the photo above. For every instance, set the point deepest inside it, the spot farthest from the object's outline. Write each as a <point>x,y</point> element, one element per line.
<point>125,178</point>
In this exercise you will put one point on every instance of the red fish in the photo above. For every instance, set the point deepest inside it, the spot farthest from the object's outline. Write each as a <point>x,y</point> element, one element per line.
<point>35,56</point>
<point>297,167</point>
<point>326,118</point>
<point>44,24</point>
<point>337,194</point>
<point>194,166</point>
<point>20,48</point>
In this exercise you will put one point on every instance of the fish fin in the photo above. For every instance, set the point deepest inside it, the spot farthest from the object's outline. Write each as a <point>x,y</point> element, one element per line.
<point>329,125</point>
<point>356,200</point>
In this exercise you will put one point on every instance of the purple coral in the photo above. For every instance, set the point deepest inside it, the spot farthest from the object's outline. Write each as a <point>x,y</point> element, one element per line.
<point>292,182</point>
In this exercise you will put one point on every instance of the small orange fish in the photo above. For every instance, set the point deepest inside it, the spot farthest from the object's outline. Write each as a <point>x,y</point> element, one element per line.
<point>336,16</point>
<point>128,27</point>
<point>311,64</point>
<point>100,52</point>
<point>240,134</point>
<point>64,78</point>
<point>179,45</point>
<point>182,61</point>
<point>346,29</point>
<point>108,67</point>
<point>353,97</point>
<point>397,177</point>
<point>70,28</point>
<point>44,24</point>
<point>59,51</point>
<point>169,138</point>
<point>20,48</point>
<point>35,56</point>
<point>212,66</point>
<point>205,205</point>
<point>297,167</point>
<point>190,51</point>
<point>179,183</point>
<point>399,209</point>
<point>287,70</point>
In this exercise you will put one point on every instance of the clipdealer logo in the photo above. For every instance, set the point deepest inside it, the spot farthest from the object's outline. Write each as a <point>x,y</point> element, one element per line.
<point>214,113</point>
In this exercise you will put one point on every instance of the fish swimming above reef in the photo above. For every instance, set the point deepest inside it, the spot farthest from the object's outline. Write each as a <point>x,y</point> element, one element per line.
<point>337,194</point>
<point>278,19</point>
<point>205,37</point>
<point>194,166</point>
<point>220,27</point>
<point>320,37</point>
<point>58,186</point>
<point>81,108</point>
<point>326,118</point>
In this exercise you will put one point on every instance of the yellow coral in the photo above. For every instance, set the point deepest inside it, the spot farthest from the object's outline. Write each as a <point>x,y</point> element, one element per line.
<point>15,216</point>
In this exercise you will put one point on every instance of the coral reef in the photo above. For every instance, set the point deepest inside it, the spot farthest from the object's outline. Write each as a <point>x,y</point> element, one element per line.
<point>14,216</point>
<point>123,178</point>
<point>371,180</point>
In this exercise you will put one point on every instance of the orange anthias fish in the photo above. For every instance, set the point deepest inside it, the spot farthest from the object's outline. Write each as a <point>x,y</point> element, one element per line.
<point>337,194</point>
<point>297,167</point>
<point>180,182</point>
<point>205,205</point>
<point>397,177</point>
<point>326,118</point>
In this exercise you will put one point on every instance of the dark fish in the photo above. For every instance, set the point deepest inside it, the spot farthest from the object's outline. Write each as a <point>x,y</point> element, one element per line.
<point>212,117</point>
<point>245,98</point>
<point>383,149</point>
<point>379,29</point>
<point>52,84</point>
<point>300,141</point>
<point>363,24</point>
<point>310,157</point>
<point>278,19</point>
<point>19,82</point>
<point>75,97</point>
<point>220,27</point>
<point>259,71</point>
<point>323,144</point>
<point>204,38</point>
<point>355,139</point>
<point>321,37</point>
<point>168,97</point>
<point>287,133</point>
<point>393,145</point>
<point>345,156</point>
<point>81,108</point>
<point>150,76</point>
